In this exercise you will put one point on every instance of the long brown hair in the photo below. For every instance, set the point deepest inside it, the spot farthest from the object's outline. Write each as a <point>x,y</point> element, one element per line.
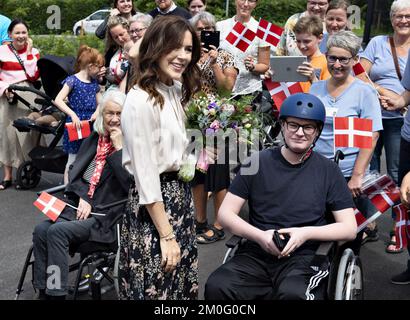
<point>164,35</point>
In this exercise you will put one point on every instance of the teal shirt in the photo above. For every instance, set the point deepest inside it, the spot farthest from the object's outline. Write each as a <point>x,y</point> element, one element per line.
<point>4,25</point>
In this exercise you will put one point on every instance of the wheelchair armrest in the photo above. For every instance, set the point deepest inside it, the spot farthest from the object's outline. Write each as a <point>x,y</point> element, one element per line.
<point>53,190</point>
<point>324,248</point>
<point>233,241</point>
<point>101,207</point>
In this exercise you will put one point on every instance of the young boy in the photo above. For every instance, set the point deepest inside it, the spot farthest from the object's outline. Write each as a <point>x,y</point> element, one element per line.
<point>309,34</point>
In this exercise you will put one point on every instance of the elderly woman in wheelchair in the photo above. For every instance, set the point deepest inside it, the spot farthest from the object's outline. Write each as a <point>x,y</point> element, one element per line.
<point>95,178</point>
<point>289,192</point>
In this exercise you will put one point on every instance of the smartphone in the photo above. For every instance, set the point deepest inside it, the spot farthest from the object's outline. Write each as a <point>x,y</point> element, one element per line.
<point>210,38</point>
<point>278,241</point>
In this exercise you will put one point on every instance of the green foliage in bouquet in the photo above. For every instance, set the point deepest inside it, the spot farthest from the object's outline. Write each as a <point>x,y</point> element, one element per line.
<point>225,113</point>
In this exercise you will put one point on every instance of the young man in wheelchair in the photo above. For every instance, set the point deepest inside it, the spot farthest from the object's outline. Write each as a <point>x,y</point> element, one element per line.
<point>95,178</point>
<point>290,192</point>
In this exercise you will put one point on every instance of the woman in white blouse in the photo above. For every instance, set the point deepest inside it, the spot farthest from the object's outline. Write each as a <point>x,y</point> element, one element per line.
<point>158,258</point>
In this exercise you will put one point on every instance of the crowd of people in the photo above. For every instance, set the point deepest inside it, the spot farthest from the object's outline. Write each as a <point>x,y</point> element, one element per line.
<point>136,94</point>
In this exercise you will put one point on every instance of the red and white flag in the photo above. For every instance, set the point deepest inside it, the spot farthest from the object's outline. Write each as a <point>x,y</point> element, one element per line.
<point>353,132</point>
<point>382,182</point>
<point>50,205</point>
<point>75,134</point>
<point>362,221</point>
<point>384,200</point>
<point>269,32</point>
<point>358,69</point>
<point>240,36</point>
<point>279,91</point>
<point>402,226</point>
<point>383,193</point>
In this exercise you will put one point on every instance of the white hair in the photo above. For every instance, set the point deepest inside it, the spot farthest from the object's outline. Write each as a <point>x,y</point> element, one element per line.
<point>114,96</point>
<point>143,18</point>
<point>346,40</point>
<point>398,5</point>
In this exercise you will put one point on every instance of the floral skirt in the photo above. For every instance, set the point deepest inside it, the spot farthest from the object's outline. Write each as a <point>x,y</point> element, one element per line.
<point>141,276</point>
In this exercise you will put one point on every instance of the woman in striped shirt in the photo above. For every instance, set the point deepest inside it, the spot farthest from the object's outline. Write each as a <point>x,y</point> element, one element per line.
<point>18,64</point>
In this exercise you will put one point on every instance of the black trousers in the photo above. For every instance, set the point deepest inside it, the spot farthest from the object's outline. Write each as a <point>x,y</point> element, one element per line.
<point>404,160</point>
<point>254,274</point>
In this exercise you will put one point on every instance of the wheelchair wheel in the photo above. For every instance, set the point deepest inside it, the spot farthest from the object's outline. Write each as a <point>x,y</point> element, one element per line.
<point>28,175</point>
<point>349,283</point>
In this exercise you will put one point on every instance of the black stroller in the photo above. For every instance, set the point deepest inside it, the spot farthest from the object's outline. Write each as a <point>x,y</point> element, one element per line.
<point>51,158</point>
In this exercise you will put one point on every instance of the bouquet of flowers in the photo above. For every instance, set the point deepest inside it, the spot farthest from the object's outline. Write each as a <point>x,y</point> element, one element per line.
<point>220,117</point>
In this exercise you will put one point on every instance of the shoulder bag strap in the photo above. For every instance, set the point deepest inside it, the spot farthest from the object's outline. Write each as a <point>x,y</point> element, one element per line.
<point>394,53</point>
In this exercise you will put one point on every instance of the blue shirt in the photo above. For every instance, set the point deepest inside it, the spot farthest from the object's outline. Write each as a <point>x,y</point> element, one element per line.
<point>383,71</point>
<point>323,43</point>
<point>405,130</point>
<point>4,25</point>
<point>359,100</point>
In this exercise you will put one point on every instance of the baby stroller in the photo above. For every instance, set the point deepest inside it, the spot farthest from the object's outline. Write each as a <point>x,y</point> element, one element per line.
<point>51,158</point>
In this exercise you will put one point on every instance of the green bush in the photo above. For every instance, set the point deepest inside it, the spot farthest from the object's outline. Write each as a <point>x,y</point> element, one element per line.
<point>65,45</point>
<point>35,11</point>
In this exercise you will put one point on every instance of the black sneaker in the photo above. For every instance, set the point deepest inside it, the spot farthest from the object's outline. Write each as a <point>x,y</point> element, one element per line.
<point>402,278</point>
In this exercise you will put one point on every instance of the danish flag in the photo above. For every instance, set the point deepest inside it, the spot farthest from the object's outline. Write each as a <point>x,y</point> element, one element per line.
<point>279,91</point>
<point>269,32</point>
<point>78,134</point>
<point>50,205</point>
<point>358,69</point>
<point>402,226</point>
<point>240,36</point>
<point>353,132</point>
<point>383,193</point>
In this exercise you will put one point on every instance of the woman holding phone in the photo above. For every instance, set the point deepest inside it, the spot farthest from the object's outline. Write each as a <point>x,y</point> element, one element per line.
<point>218,76</point>
<point>122,8</point>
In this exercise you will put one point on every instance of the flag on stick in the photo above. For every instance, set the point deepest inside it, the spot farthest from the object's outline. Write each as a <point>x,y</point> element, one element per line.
<point>353,132</point>
<point>240,36</point>
<point>269,32</point>
<point>50,205</point>
<point>279,91</point>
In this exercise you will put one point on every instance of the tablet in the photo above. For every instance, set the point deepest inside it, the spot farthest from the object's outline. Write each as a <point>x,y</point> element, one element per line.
<point>285,69</point>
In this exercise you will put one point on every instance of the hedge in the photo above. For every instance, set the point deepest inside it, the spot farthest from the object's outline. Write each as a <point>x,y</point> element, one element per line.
<point>65,45</point>
<point>35,11</point>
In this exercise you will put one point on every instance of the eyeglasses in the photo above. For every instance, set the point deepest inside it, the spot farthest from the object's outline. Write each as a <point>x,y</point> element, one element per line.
<point>342,60</point>
<point>250,1</point>
<point>293,127</point>
<point>209,28</point>
<point>400,17</point>
<point>316,3</point>
<point>136,30</point>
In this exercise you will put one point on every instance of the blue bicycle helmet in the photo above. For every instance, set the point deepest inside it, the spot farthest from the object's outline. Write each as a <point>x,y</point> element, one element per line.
<point>303,106</point>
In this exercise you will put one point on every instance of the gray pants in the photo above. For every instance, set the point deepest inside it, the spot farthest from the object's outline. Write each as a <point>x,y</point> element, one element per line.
<point>51,243</point>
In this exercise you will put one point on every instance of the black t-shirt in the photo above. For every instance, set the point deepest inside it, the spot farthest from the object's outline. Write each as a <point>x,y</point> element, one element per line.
<point>282,195</point>
<point>178,11</point>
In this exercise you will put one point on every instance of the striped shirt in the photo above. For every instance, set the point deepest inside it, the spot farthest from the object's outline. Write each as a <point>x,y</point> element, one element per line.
<point>12,72</point>
<point>88,173</point>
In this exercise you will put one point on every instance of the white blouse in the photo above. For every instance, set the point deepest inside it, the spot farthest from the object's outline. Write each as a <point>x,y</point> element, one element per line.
<point>154,140</point>
<point>246,82</point>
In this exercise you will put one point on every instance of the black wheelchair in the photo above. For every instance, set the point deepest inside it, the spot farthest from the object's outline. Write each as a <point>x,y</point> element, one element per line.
<point>97,262</point>
<point>345,279</point>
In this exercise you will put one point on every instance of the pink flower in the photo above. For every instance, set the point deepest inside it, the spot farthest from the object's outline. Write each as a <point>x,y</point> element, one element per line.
<point>215,125</point>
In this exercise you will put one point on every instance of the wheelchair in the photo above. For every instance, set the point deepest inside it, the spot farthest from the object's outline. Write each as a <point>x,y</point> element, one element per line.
<point>345,280</point>
<point>97,260</point>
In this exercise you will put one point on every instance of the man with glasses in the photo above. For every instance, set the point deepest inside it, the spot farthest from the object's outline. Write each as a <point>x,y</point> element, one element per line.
<point>291,192</point>
<point>287,45</point>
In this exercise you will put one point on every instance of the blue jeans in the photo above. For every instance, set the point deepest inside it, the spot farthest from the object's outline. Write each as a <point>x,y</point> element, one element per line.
<point>390,140</point>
